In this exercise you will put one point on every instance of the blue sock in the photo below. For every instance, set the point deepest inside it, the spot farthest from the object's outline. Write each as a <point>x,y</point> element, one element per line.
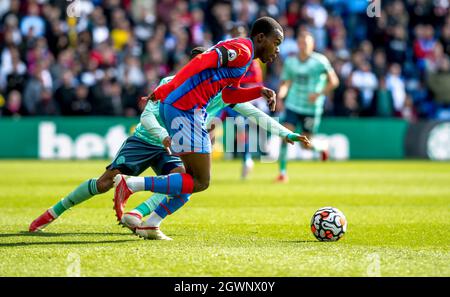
<point>173,184</point>
<point>169,206</point>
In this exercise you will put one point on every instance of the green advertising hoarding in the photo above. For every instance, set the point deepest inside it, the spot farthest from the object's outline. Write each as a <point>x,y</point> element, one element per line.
<point>64,138</point>
<point>370,138</point>
<point>101,137</point>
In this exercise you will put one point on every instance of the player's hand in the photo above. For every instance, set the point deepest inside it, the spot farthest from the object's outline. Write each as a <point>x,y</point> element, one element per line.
<point>167,142</point>
<point>313,97</point>
<point>294,137</point>
<point>271,98</point>
<point>150,97</point>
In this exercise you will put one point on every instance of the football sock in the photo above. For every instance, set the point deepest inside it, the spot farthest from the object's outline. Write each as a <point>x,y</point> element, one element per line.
<point>167,207</point>
<point>136,183</point>
<point>82,193</point>
<point>283,158</point>
<point>154,219</point>
<point>149,205</point>
<point>172,184</point>
<point>170,205</point>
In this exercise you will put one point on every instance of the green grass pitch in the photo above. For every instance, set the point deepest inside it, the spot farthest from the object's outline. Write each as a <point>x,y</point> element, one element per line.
<point>398,214</point>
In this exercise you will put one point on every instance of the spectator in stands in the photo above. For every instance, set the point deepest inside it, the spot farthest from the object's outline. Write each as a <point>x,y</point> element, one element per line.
<point>366,82</point>
<point>408,111</point>
<point>383,101</point>
<point>12,71</point>
<point>13,9</point>
<point>32,24</point>
<point>100,30</point>
<point>40,80</point>
<point>351,106</point>
<point>81,106</point>
<point>46,105</point>
<point>197,28</point>
<point>13,106</point>
<point>100,97</point>
<point>397,45</point>
<point>396,84</point>
<point>12,33</point>
<point>65,94</point>
<point>316,16</point>
<point>379,62</point>
<point>439,81</point>
<point>130,72</point>
<point>289,45</point>
<point>424,44</point>
<point>293,14</point>
<point>445,37</point>
<point>434,60</point>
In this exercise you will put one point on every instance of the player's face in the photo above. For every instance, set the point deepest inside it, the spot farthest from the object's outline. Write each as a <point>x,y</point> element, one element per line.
<point>271,46</point>
<point>306,44</point>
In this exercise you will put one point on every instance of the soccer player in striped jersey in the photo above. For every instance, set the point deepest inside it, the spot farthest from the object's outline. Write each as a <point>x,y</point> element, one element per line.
<point>305,82</point>
<point>183,110</point>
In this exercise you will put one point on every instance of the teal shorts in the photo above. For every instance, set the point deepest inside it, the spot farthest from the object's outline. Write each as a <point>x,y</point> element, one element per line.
<point>307,123</point>
<point>136,155</point>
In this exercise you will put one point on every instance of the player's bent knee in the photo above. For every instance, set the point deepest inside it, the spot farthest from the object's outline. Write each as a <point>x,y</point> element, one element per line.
<point>201,185</point>
<point>104,185</point>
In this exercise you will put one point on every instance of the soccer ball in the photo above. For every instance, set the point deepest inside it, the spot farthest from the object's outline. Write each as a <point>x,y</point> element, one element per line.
<point>328,224</point>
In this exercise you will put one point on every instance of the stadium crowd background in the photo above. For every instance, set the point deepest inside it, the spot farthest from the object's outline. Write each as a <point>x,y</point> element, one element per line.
<point>108,53</point>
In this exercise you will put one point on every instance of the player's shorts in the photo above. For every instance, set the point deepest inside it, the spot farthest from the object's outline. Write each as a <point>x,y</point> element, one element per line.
<point>307,123</point>
<point>187,129</point>
<point>136,155</point>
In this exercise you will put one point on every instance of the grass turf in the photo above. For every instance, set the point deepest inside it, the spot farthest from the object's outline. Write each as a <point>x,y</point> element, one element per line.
<point>398,213</point>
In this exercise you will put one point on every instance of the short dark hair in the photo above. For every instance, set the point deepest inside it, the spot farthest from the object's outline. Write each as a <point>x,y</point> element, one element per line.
<point>304,33</point>
<point>197,51</point>
<point>265,25</point>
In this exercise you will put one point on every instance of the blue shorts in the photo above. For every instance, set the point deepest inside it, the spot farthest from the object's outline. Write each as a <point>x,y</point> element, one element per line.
<point>136,155</point>
<point>187,128</point>
<point>308,123</point>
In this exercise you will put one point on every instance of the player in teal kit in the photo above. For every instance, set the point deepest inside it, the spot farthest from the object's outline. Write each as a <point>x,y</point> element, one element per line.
<point>306,80</point>
<point>147,148</point>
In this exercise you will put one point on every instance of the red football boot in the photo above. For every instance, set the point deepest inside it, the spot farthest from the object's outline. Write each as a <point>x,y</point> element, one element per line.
<point>121,194</point>
<point>42,221</point>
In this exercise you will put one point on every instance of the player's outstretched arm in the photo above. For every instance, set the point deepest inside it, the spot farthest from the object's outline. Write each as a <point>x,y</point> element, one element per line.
<point>257,116</point>
<point>151,124</point>
<point>233,95</point>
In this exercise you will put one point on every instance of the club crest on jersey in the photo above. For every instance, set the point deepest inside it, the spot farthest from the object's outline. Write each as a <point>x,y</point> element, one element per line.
<point>232,55</point>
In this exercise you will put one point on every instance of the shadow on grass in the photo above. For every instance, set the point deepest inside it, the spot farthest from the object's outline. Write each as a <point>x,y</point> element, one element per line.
<point>301,241</point>
<point>52,234</point>
<point>16,244</point>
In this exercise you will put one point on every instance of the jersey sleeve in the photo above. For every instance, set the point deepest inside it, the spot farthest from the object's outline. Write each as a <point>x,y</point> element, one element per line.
<point>258,117</point>
<point>325,64</point>
<point>235,94</point>
<point>150,123</point>
<point>234,53</point>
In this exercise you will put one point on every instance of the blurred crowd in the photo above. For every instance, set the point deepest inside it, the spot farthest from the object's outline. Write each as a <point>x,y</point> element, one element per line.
<point>98,57</point>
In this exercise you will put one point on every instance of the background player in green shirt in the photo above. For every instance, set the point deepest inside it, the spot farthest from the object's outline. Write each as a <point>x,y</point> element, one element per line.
<point>305,82</point>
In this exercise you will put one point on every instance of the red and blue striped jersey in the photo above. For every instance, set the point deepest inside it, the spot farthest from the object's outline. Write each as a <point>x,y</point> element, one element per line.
<point>221,67</point>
